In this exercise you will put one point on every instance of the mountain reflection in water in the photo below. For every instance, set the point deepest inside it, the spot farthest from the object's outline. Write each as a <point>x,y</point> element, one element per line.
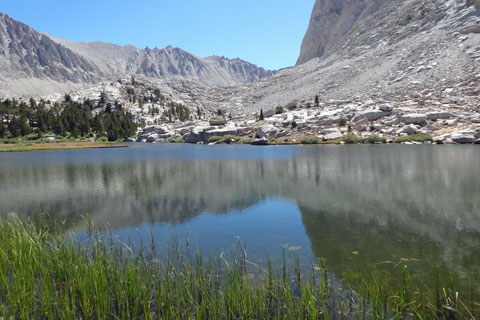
<point>382,203</point>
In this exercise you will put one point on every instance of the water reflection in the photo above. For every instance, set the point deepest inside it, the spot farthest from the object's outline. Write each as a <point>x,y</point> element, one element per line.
<point>382,202</point>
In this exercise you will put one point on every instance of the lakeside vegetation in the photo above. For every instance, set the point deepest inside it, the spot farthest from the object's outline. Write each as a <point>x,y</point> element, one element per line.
<point>45,275</point>
<point>57,145</point>
<point>67,119</point>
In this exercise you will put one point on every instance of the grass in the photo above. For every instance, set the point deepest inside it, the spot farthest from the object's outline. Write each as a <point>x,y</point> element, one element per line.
<point>227,138</point>
<point>351,139</point>
<point>45,275</point>
<point>309,140</point>
<point>375,139</point>
<point>414,137</point>
<point>55,145</point>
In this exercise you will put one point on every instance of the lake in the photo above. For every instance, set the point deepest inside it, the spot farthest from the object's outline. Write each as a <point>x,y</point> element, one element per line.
<point>349,205</point>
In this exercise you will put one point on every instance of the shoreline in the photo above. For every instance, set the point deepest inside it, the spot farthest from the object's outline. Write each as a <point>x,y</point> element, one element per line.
<point>26,147</point>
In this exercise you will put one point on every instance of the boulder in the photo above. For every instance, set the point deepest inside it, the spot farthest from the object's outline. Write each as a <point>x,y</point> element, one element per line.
<point>217,122</point>
<point>281,134</point>
<point>333,136</point>
<point>292,105</point>
<point>414,118</point>
<point>196,134</point>
<point>260,142</point>
<point>153,138</point>
<point>440,139</point>
<point>154,129</point>
<point>267,130</point>
<point>268,113</point>
<point>463,138</point>
<point>330,130</point>
<point>392,122</point>
<point>477,141</point>
<point>361,122</point>
<point>386,108</point>
<point>370,115</point>
<point>452,122</point>
<point>436,115</point>
<point>409,129</point>
<point>220,132</point>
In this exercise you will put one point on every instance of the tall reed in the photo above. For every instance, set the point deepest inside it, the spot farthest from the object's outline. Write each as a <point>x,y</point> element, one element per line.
<point>45,275</point>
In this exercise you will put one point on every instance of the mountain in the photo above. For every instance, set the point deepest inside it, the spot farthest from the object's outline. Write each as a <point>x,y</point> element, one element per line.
<point>26,56</point>
<point>38,64</point>
<point>168,63</point>
<point>359,50</point>
<point>341,25</point>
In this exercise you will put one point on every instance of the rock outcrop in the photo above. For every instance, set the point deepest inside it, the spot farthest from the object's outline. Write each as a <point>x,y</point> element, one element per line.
<point>338,26</point>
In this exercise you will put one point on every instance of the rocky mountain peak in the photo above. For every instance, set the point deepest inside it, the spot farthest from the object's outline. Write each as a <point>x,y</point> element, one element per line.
<point>32,63</point>
<point>344,26</point>
<point>27,53</point>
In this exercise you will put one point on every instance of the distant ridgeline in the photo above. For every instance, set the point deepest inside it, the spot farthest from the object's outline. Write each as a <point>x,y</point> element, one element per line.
<point>65,119</point>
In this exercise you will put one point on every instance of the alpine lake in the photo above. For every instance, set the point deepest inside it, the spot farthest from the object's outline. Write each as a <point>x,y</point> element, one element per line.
<point>350,207</point>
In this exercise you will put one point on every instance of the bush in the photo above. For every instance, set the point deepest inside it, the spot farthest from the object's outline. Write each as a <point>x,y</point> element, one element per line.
<point>224,139</point>
<point>102,139</point>
<point>309,140</point>
<point>342,122</point>
<point>351,139</point>
<point>375,139</point>
<point>246,140</point>
<point>33,136</point>
<point>179,140</point>
<point>231,137</point>
<point>279,110</point>
<point>215,139</point>
<point>414,137</point>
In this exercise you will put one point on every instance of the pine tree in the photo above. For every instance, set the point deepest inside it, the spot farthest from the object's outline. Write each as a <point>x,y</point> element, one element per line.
<point>317,101</point>
<point>3,130</point>
<point>24,127</point>
<point>261,115</point>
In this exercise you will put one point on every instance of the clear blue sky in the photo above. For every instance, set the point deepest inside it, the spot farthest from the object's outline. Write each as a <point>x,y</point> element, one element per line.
<point>266,32</point>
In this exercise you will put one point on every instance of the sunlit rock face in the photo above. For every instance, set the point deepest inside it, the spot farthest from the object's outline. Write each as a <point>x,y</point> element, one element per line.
<point>33,64</point>
<point>355,25</point>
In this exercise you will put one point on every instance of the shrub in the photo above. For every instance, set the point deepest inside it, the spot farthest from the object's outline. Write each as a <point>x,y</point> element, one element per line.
<point>279,110</point>
<point>342,122</point>
<point>246,140</point>
<point>375,139</point>
<point>102,139</point>
<point>309,140</point>
<point>33,136</point>
<point>179,140</point>
<point>414,137</point>
<point>231,137</point>
<point>214,139</point>
<point>224,139</point>
<point>351,139</point>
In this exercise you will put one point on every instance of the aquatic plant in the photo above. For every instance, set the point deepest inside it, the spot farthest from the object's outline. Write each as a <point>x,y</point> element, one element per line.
<point>46,275</point>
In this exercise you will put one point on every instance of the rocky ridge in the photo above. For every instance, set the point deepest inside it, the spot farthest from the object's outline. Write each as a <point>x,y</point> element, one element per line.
<point>33,64</point>
<point>449,114</point>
